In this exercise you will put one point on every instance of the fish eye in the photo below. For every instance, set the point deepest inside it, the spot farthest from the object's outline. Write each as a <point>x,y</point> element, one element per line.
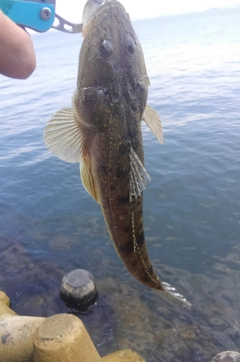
<point>106,48</point>
<point>130,45</point>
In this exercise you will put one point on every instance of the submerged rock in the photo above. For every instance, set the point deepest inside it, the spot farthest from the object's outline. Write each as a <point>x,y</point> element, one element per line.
<point>78,289</point>
<point>227,356</point>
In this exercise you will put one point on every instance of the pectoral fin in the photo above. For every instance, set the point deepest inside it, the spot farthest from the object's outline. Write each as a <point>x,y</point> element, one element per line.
<point>138,175</point>
<point>71,142</point>
<point>63,136</point>
<point>151,117</point>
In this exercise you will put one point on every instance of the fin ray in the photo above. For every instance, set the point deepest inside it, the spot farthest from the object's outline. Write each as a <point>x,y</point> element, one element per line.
<point>173,292</point>
<point>151,117</point>
<point>138,175</point>
<point>87,178</point>
<point>63,136</point>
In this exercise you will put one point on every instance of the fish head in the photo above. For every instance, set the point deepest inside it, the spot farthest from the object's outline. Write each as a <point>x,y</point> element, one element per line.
<point>111,64</point>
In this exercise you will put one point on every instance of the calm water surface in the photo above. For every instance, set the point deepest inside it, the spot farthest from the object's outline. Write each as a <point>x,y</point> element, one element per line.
<point>49,225</point>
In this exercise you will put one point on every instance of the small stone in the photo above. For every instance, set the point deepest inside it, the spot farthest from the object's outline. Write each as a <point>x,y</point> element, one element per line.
<point>227,356</point>
<point>78,289</point>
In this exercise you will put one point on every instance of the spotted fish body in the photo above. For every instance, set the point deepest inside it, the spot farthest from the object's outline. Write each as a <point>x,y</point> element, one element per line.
<point>112,95</point>
<point>102,131</point>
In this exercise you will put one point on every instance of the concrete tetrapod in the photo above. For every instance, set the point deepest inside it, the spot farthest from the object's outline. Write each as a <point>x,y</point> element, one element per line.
<point>16,333</point>
<point>60,338</point>
<point>4,298</point>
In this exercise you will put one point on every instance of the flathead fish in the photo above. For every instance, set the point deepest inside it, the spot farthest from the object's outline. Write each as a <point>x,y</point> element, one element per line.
<point>102,131</point>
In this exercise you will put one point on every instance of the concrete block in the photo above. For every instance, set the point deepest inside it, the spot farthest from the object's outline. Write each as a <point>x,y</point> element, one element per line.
<point>16,338</point>
<point>61,338</point>
<point>4,298</point>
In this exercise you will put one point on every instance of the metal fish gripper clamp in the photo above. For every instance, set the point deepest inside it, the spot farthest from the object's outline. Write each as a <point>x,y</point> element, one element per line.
<point>38,15</point>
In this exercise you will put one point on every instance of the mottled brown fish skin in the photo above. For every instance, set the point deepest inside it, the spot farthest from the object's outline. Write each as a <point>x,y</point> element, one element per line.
<point>111,96</point>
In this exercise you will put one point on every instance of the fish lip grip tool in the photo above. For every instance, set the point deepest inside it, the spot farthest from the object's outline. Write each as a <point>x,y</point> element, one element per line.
<point>37,15</point>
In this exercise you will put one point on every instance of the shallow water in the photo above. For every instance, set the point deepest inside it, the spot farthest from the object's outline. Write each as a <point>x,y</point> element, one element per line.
<point>49,225</point>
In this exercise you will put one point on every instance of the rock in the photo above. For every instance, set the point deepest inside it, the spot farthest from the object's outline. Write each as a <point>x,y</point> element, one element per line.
<point>78,289</point>
<point>125,356</point>
<point>227,356</point>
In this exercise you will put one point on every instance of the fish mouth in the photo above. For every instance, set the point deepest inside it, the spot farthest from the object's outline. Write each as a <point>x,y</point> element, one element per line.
<point>92,11</point>
<point>110,4</point>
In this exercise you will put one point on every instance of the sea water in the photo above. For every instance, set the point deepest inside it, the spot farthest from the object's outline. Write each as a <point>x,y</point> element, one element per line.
<point>49,224</point>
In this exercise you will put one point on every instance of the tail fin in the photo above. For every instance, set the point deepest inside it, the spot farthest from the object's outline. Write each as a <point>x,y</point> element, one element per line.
<point>173,292</point>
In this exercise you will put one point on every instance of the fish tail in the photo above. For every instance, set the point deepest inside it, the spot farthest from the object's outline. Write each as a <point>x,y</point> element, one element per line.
<point>146,272</point>
<point>174,293</point>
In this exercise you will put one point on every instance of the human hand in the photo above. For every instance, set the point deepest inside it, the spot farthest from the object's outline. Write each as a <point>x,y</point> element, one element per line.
<point>17,56</point>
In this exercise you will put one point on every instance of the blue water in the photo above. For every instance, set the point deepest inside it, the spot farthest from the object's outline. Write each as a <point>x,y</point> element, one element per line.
<point>49,225</point>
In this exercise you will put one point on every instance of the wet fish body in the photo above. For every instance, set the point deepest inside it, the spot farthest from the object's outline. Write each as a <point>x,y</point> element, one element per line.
<point>102,131</point>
